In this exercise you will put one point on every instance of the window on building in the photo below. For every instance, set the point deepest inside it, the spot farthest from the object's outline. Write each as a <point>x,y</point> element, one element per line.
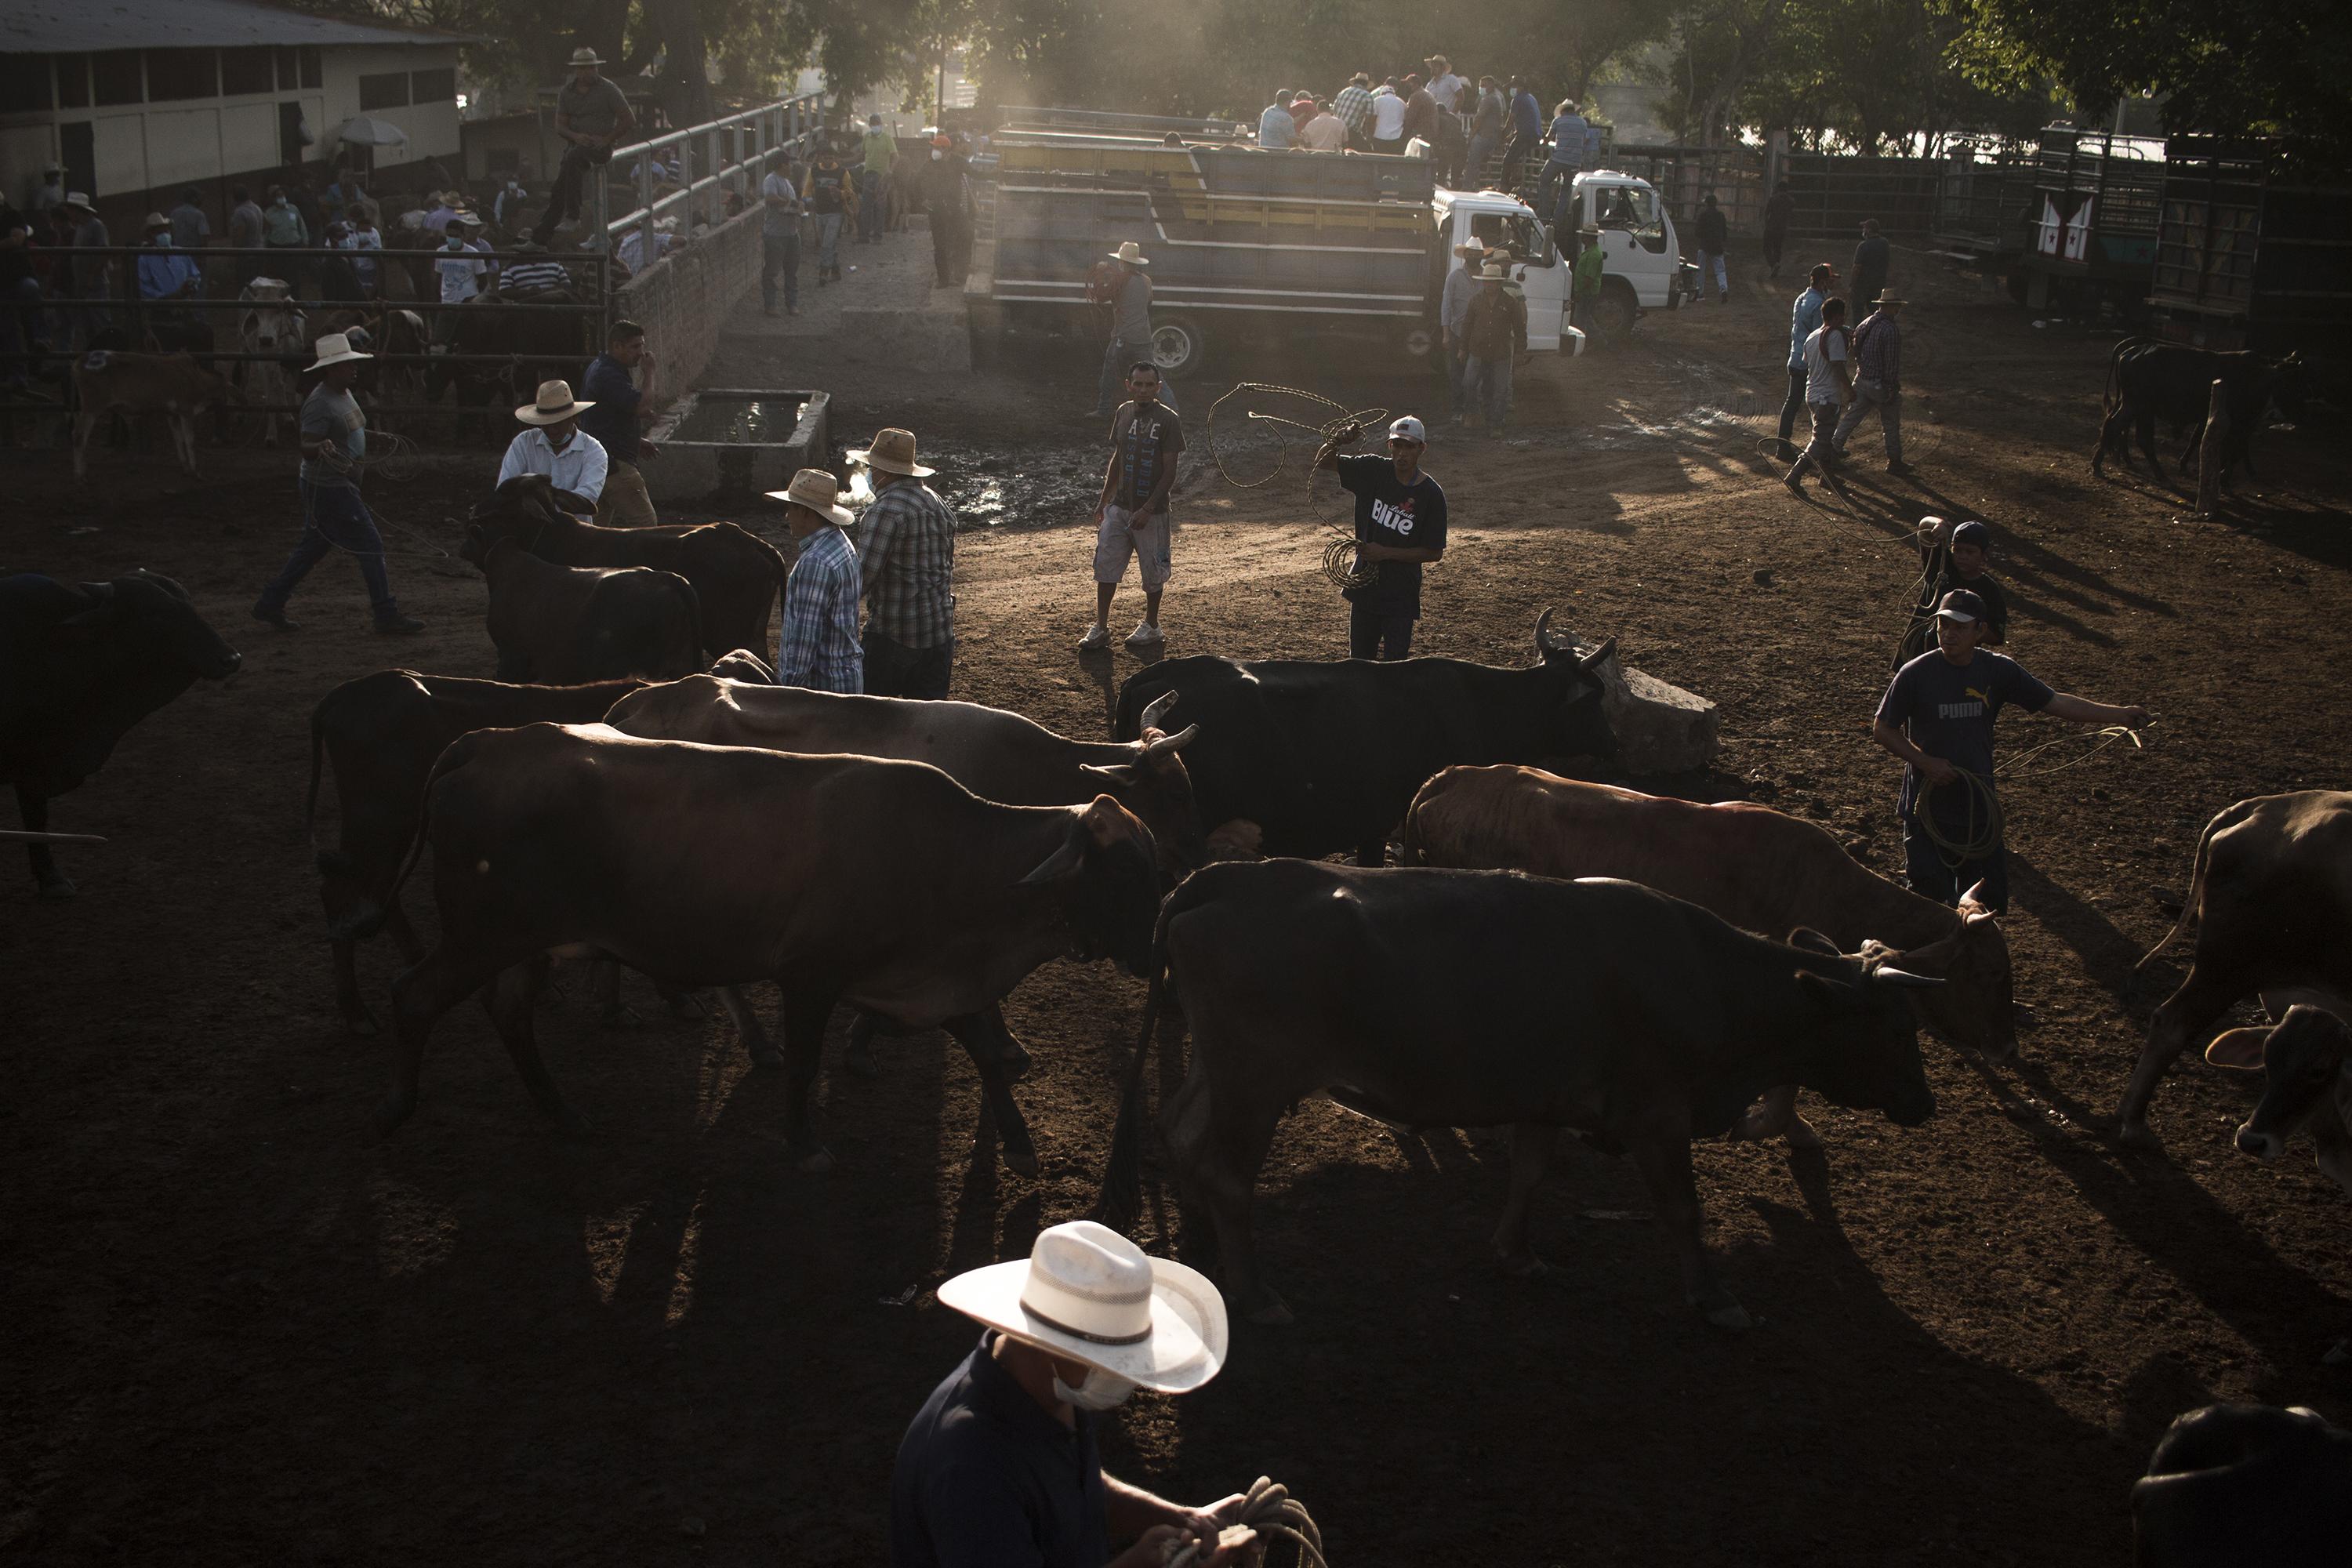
<point>73,81</point>
<point>24,82</point>
<point>247,72</point>
<point>387,91</point>
<point>181,73</point>
<point>116,77</point>
<point>432,87</point>
<point>311,71</point>
<point>289,69</point>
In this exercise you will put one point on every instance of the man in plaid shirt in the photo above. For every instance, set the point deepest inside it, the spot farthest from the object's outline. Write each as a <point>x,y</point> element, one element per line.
<point>1878,380</point>
<point>1354,106</point>
<point>908,564</point>
<point>818,646</point>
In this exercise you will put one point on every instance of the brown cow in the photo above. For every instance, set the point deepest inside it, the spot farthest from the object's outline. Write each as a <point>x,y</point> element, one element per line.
<point>175,385</point>
<point>885,885</point>
<point>2270,900</point>
<point>2306,1061</point>
<point>1758,868</point>
<point>560,626</point>
<point>736,574</point>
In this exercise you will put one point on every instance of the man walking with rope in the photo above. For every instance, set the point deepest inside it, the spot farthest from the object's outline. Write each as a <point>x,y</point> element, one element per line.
<point>334,445</point>
<point>1937,716</point>
<point>1002,1466</point>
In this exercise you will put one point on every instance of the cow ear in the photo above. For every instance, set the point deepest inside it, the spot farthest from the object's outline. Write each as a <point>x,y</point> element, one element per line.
<point>2239,1050</point>
<point>1119,774</point>
<point>1066,861</point>
<point>1106,821</point>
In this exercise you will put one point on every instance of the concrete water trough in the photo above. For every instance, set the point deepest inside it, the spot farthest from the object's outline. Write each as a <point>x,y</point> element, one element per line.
<point>729,440</point>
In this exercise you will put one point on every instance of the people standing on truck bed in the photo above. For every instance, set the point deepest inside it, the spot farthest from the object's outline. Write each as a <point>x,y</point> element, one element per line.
<point>1565,162</point>
<point>1420,112</point>
<point>1487,122</point>
<point>1131,518</point>
<point>1527,131</point>
<point>1320,131</point>
<point>1354,108</point>
<point>1276,128</point>
<point>1870,260</point>
<point>1130,325</point>
<point>1388,117</point>
<point>1713,234</point>
<point>1399,526</point>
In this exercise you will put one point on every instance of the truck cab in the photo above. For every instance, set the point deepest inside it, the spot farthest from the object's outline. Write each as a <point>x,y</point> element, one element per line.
<point>1536,269</point>
<point>1643,266</point>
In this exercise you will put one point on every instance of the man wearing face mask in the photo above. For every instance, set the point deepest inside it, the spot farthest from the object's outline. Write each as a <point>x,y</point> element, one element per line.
<point>1002,1467</point>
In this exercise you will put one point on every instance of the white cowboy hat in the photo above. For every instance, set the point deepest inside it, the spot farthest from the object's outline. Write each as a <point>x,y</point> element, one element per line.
<point>1128,252</point>
<point>80,199</point>
<point>555,405</point>
<point>817,490</point>
<point>1086,1293</point>
<point>586,57</point>
<point>335,348</point>
<point>1887,297</point>
<point>1492,272</point>
<point>156,220</point>
<point>893,452</point>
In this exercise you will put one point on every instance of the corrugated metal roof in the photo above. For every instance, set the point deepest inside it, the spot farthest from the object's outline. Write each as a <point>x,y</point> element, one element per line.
<point>65,27</point>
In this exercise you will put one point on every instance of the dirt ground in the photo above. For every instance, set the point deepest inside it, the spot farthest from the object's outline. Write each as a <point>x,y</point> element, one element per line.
<point>240,1330</point>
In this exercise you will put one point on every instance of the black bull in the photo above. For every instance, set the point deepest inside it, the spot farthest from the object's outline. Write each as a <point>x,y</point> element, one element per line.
<point>1449,998</point>
<point>1325,756</point>
<point>2150,380</point>
<point>885,885</point>
<point>539,344</point>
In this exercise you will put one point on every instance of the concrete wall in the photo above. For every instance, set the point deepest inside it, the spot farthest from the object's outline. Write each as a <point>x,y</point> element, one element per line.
<point>684,299</point>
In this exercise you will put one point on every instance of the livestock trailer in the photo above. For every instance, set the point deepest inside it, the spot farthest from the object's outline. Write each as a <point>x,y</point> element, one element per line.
<point>2254,250</point>
<point>2070,224</point>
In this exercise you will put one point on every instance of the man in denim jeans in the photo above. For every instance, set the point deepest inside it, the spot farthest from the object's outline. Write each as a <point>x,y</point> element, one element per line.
<point>1130,327</point>
<point>1804,320</point>
<point>334,441</point>
<point>780,242</point>
<point>1878,380</point>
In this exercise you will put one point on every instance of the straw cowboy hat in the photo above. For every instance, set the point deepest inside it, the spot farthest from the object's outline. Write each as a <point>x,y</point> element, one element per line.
<point>155,221</point>
<point>80,199</point>
<point>555,405</point>
<point>335,348</point>
<point>817,490</point>
<point>893,452</point>
<point>1886,297</point>
<point>1128,252</point>
<point>1492,272</point>
<point>1086,1293</point>
<point>586,57</point>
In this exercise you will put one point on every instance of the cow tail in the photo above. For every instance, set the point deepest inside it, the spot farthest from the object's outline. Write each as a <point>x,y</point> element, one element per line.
<point>1121,1202</point>
<point>2230,816</point>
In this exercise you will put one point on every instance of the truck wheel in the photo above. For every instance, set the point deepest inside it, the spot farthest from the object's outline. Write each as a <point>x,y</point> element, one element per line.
<point>1613,312</point>
<point>1178,347</point>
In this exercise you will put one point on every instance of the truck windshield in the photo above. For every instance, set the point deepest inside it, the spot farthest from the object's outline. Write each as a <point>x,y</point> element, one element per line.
<point>1523,237</point>
<point>1632,210</point>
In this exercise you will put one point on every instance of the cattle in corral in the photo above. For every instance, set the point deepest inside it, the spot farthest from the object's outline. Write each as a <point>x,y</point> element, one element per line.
<point>1445,998</point>
<point>2148,381</point>
<point>271,323</point>
<point>382,733</point>
<point>1324,757</point>
<point>2269,898</point>
<point>2305,1061</point>
<point>538,344</point>
<point>396,339</point>
<point>745,666</point>
<point>2249,1484</point>
<point>80,663</point>
<point>736,575</point>
<point>174,385</point>
<point>560,626</point>
<point>884,885</point>
<point>1761,869</point>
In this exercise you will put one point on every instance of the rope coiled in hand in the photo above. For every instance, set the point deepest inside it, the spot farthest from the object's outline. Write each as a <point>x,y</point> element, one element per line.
<point>1270,1509</point>
<point>1344,430</point>
<point>1342,565</point>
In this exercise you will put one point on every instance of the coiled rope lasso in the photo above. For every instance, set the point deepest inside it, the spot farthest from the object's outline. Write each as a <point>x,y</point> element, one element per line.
<point>1268,1509</point>
<point>1345,428</point>
<point>1980,830</point>
<point>1340,564</point>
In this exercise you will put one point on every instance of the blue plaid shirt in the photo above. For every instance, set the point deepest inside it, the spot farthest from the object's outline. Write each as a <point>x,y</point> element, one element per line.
<point>819,647</point>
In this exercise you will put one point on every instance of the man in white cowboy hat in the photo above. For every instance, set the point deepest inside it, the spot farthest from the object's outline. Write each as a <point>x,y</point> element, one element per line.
<point>592,114</point>
<point>1002,1463</point>
<point>552,443</point>
<point>1132,517</point>
<point>1493,325</point>
<point>908,562</point>
<point>818,645</point>
<point>1877,350</point>
<point>1130,325</point>
<point>333,442</point>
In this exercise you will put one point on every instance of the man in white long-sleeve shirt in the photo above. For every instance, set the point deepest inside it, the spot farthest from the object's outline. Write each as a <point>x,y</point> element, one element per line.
<point>1453,319</point>
<point>552,443</point>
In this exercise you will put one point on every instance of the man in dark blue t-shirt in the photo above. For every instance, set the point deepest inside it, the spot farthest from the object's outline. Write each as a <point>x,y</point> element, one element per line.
<point>1399,525</point>
<point>1946,701</point>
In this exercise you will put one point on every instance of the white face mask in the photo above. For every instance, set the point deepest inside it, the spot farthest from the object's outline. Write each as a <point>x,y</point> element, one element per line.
<point>1101,1391</point>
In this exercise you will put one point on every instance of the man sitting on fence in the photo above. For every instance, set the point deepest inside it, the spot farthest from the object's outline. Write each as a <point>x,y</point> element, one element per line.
<point>534,278</point>
<point>593,114</point>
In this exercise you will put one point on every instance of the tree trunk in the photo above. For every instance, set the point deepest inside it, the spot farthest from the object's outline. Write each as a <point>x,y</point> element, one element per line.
<point>684,88</point>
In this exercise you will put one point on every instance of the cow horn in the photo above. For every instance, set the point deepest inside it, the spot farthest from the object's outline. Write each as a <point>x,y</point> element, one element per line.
<point>1062,862</point>
<point>1170,744</point>
<point>1543,633</point>
<point>1599,657</point>
<point>1156,711</point>
<point>1902,979</point>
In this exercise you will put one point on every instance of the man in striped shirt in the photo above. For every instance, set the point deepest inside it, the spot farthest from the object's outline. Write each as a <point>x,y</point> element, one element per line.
<point>1354,107</point>
<point>818,646</point>
<point>909,567</point>
<point>541,273</point>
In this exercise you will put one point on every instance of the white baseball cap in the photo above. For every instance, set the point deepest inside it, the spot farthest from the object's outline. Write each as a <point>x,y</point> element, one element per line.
<point>1410,428</point>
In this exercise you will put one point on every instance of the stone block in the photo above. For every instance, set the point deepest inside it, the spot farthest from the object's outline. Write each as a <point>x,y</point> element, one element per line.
<point>1661,728</point>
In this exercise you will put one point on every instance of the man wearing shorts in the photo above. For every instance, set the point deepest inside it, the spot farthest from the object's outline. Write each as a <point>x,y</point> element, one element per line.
<point>1146,439</point>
